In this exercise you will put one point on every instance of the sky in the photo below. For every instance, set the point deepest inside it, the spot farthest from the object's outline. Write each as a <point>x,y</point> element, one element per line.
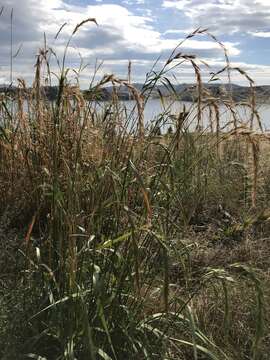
<point>142,31</point>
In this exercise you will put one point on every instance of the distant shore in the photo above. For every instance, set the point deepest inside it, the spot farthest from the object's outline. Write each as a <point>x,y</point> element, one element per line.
<point>182,92</point>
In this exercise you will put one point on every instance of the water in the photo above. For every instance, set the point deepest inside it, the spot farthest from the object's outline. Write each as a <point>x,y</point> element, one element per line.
<point>154,108</point>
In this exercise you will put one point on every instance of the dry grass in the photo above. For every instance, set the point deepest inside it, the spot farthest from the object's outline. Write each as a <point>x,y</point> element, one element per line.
<point>118,244</point>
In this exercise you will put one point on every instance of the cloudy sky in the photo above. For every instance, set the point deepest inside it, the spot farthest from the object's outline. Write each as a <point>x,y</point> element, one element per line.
<point>137,30</point>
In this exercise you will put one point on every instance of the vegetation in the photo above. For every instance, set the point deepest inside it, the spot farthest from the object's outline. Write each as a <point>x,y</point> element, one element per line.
<point>117,243</point>
<point>188,92</point>
<point>185,92</point>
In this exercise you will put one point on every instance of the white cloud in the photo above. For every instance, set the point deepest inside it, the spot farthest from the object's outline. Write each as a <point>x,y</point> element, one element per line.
<point>263,2</point>
<point>179,5</point>
<point>120,36</point>
<point>177,31</point>
<point>263,34</point>
<point>225,16</point>
<point>259,73</point>
<point>133,2</point>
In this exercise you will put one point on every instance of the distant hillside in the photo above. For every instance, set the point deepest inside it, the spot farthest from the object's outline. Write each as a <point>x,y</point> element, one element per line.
<point>4,89</point>
<point>188,92</point>
<point>50,92</point>
<point>185,92</point>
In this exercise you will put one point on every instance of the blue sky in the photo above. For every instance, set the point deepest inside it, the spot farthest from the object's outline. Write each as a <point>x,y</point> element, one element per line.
<point>140,31</point>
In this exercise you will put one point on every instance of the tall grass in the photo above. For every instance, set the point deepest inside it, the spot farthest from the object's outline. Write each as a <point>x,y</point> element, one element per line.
<point>121,244</point>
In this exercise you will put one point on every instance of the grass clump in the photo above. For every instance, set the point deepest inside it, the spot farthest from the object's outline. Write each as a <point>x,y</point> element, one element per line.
<point>121,243</point>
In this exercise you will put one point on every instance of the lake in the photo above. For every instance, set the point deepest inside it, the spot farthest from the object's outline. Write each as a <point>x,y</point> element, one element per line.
<point>154,108</point>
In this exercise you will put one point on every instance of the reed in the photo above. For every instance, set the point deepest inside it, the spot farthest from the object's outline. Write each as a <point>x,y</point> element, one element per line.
<point>117,243</point>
